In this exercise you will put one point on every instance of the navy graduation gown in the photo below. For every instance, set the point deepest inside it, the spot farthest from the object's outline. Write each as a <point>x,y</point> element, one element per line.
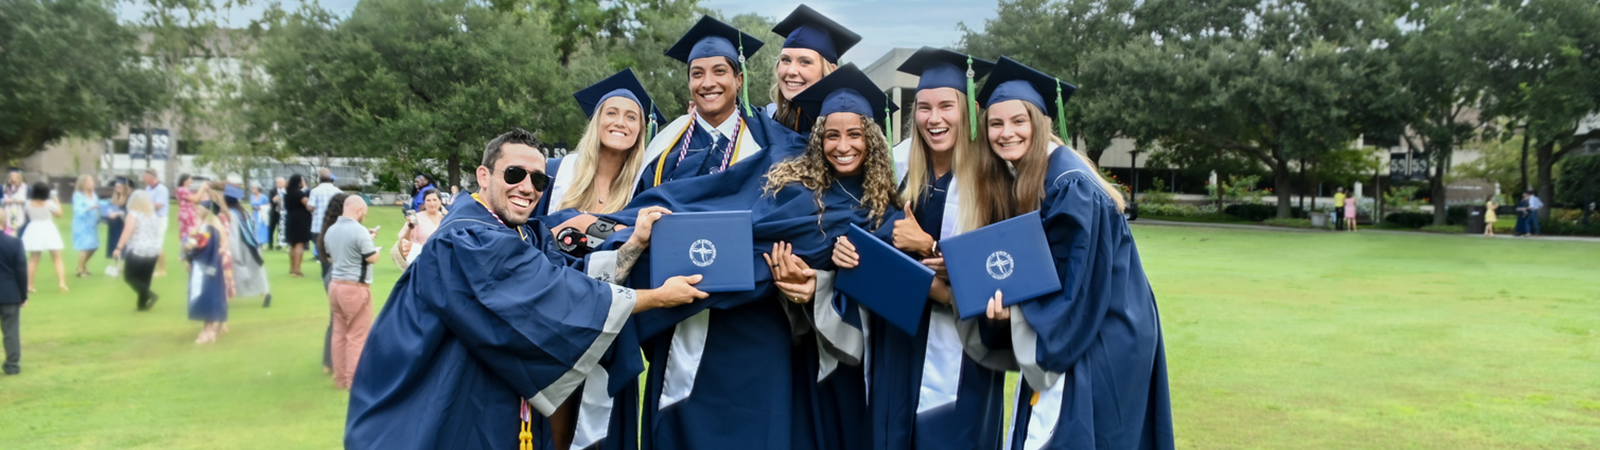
<point>830,366</point>
<point>488,315</point>
<point>1097,362</point>
<point>974,419</point>
<point>742,398</point>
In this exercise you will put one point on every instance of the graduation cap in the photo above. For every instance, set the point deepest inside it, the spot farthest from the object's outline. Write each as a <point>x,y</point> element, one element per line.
<point>940,68</point>
<point>1012,80</point>
<point>711,37</point>
<point>808,29</point>
<point>846,90</point>
<point>233,192</point>
<point>622,84</point>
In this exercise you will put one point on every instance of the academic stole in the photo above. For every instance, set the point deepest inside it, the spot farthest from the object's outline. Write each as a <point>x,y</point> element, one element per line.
<point>524,437</point>
<point>729,154</point>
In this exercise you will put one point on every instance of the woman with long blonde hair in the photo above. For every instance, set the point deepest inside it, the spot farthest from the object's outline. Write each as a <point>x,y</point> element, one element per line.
<point>85,222</point>
<point>967,411</point>
<point>812,46</point>
<point>1092,360</point>
<point>848,177</point>
<point>598,176</point>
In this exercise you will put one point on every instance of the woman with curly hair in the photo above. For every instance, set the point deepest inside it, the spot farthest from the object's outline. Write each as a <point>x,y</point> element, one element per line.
<point>925,392</point>
<point>847,173</point>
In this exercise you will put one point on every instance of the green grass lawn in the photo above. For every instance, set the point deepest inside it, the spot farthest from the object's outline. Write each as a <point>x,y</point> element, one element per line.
<point>1274,340</point>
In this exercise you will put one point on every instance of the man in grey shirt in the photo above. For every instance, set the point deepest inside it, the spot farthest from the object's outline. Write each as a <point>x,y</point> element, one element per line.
<point>351,249</point>
<point>161,198</point>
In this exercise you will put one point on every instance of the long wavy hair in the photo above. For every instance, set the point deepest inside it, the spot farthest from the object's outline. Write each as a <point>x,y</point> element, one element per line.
<point>919,161</point>
<point>586,161</point>
<point>813,172</point>
<point>786,113</point>
<point>329,217</point>
<point>1026,186</point>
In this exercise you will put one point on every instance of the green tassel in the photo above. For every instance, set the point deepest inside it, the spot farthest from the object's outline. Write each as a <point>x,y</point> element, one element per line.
<point>744,88</point>
<point>972,102</point>
<point>888,122</point>
<point>1061,116</point>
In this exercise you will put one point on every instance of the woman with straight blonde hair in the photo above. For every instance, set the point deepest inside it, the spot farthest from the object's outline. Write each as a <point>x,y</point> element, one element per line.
<point>1092,359</point>
<point>85,222</point>
<point>140,246</point>
<point>599,176</point>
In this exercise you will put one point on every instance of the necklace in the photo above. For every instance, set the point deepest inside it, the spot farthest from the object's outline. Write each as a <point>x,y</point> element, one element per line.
<point>847,192</point>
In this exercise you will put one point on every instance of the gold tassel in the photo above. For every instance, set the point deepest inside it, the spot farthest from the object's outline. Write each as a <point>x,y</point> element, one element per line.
<point>525,438</point>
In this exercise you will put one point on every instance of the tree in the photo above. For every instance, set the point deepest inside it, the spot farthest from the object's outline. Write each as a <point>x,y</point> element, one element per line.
<point>415,82</point>
<point>1058,37</point>
<point>1542,57</point>
<point>1277,82</point>
<point>45,96</point>
<point>1441,86</point>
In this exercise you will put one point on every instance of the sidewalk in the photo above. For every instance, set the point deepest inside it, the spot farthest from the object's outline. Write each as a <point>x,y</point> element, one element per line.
<point>1238,226</point>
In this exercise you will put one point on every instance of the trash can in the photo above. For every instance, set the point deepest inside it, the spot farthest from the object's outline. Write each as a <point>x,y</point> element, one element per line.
<point>1475,219</point>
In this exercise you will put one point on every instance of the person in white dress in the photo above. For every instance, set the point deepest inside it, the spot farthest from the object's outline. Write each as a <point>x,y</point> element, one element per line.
<point>40,234</point>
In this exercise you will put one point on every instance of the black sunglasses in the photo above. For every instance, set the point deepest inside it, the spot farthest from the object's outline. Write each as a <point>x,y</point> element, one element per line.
<point>515,174</point>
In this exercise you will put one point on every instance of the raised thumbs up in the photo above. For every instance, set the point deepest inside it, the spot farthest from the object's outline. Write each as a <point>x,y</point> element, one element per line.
<point>909,237</point>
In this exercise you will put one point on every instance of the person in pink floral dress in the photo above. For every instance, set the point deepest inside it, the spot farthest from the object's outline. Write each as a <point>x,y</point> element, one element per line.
<point>187,197</point>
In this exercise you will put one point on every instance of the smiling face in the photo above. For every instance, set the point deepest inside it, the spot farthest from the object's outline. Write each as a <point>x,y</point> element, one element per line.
<point>512,202</point>
<point>938,113</point>
<point>714,86</point>
<point>844,142</point>
<point>618,120</point>
<point>1010,129</point>
<point>798,69</point>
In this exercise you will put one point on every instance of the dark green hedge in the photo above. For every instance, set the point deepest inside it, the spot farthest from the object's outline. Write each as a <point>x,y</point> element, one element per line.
<point>1256,212</point>
<point>1409,219</point>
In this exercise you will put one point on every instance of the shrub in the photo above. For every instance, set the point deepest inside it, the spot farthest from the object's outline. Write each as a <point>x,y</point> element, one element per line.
<point>1256,212</point>
<point>1175,209</point>
<point>1157,194</point>
<point>1563,228</point>
<point>1409,219</point>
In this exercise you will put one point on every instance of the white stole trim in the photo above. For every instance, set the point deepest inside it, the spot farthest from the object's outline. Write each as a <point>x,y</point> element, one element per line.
<point>1042,417</point>
<point>901,153</point>
<point>594,411</point>
<point>563,182</point>
<point>683,358</point>
<point>1025,342</point>
<point>941,363</point>
<point>622,303</point>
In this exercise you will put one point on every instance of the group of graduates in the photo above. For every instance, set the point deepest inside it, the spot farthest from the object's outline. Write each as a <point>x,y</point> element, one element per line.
<point>495,338</point>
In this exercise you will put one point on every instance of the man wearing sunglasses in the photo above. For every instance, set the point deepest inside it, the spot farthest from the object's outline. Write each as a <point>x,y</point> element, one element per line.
<point>489,324</point>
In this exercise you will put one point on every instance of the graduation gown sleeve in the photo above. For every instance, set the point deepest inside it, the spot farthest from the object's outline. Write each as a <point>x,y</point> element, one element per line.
<point>535,323</point>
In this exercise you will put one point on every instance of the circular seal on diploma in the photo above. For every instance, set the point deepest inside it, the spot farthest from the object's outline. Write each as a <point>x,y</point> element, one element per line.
<point>1000,265</point>
<point>702,253</point>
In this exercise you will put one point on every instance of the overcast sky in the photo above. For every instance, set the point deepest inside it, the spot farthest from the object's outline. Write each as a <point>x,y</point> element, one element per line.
<point>883,24</point>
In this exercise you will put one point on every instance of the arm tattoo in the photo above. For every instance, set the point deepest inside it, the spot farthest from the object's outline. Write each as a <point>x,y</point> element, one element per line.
<point>626,256</point>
